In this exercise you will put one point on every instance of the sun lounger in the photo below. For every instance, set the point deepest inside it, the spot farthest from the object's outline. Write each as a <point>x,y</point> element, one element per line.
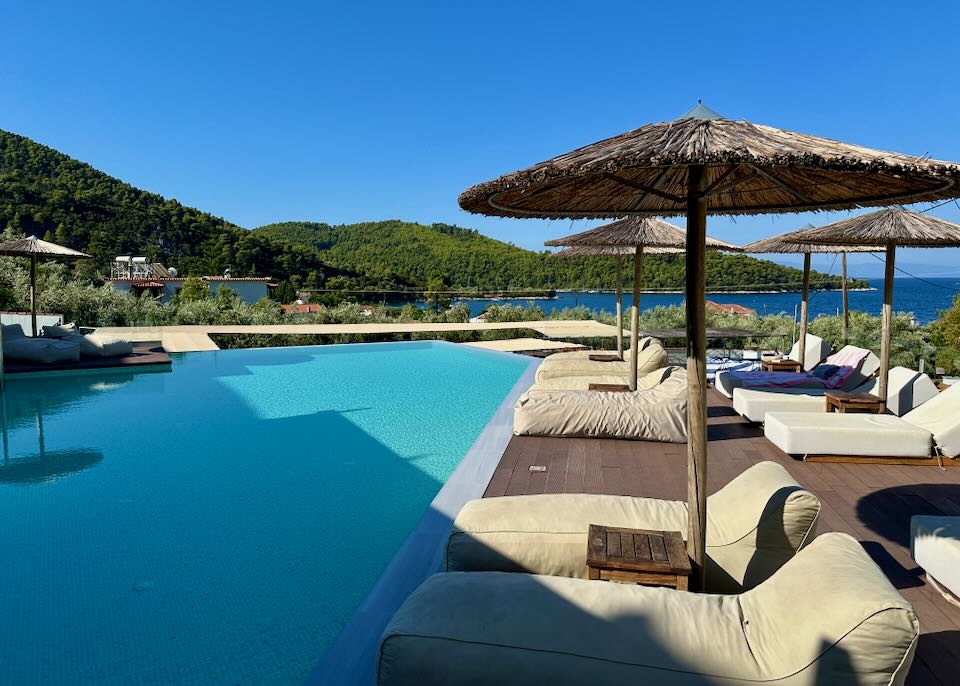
<point>906,390</point>
<point>586,354</point>
<point>653,356</point>
<point>845,377</point>
<point>935,545</point>
<point>583,383</point>
<point>755,523</point>
<point>817,351</point>
<point>829,616</point>
<point>654,414</point>
<point>922,436</point>
<point>90,345</point>
<point>19,346</point>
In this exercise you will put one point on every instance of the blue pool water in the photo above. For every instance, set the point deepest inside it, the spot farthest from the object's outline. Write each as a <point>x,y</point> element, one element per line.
<point>221,522</point>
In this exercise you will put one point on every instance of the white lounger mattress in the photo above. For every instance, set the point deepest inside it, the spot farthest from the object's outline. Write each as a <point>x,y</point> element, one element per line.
<point>807,433</point>
<point>755,403</point>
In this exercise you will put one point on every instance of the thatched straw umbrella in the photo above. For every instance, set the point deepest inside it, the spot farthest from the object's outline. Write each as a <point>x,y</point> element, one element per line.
<point>639,233</point>
<point>889,228</point>
<point>36,249</point>
<point>698,164</point>
<point>618,253</point>
<point>776,245</point>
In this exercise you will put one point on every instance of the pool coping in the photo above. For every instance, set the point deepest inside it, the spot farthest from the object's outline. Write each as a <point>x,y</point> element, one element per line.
<point>351,658</point>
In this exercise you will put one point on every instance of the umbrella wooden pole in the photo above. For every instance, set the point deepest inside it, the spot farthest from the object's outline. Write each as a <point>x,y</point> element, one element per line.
<point>635,317</point>
<point>803,311</point>
<point>845,322</point>
<point>696,371</point>
<point>888,272</point>
<point>33,294</point>
<point>620,306</point>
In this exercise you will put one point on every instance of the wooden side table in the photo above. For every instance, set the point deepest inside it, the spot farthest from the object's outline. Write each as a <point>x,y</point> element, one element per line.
<point>609,387</point>
<point>769,364</point>
<point>638,556</point>
<point>844,401</point>
<point>604,357</point>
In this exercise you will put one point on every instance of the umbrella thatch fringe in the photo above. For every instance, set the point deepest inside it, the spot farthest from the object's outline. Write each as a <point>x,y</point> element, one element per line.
<point>894,225</point>
<point>750,169</point>
<point>633,231</point>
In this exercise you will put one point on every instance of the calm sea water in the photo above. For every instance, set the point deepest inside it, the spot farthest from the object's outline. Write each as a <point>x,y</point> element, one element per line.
<point>191,527</point>
<point>923,298</point>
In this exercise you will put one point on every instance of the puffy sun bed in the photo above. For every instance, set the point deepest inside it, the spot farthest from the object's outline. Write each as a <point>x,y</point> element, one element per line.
<point>906,390</point>
<point>654,414</point>
<point>755,523</point>
<point>653,356</point>
<point>583,383</point>
<point>828,616</point>
<point>924,435</point>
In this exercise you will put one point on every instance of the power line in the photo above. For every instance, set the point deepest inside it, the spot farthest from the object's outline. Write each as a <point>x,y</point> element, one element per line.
<point>914,276</point>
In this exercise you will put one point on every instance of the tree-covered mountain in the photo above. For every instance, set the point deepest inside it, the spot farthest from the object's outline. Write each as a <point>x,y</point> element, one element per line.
<point>48,194</point>
<point>416,256</point>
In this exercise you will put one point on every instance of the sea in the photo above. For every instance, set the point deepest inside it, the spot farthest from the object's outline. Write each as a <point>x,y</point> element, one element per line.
<point>925,299</point>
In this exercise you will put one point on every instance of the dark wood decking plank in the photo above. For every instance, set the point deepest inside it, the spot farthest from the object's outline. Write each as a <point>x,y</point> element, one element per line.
<point>872,503</point>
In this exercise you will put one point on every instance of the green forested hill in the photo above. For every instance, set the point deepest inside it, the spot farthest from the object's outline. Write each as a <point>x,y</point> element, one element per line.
<point>416,255</point>
<point>46,193</point>
<point>53,196</point>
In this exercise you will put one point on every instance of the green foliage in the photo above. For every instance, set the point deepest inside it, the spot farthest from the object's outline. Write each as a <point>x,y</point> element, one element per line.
<point>403,255</point>
<point>45,193</point>
<point>284,293</point>
<point>194,289</point>
<point>945,335</point>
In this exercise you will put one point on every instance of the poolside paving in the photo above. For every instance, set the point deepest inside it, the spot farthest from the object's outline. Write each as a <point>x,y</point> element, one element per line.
<point>873,503</point>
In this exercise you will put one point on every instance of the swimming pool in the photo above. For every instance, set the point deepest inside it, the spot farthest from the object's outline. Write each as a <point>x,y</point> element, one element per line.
<point>221,522</point>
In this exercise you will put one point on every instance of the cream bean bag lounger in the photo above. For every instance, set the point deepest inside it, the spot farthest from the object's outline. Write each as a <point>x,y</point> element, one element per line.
<point>651,357</point>
<point>924,435</point>
<point>846,369</point>
<point>583,383</point>
<point>654,414</point>
<point>906,390</point>
<point>18,346</point>
<point>829,616</point>
<point>585,354</point>
<point>91,345</point>
<point>755,523</point>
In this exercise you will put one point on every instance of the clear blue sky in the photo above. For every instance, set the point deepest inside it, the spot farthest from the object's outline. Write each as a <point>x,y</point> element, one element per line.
<point>361,111</point>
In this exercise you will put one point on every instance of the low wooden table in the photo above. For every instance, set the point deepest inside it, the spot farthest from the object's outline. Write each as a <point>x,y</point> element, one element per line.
<point>768,364</point>
<point>609,387</point>
<point>604,357</point>
<point>844,401</point>
<point>638,556</point>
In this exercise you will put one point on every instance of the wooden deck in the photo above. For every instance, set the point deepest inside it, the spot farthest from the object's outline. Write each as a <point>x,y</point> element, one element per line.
<point>873,503</point>
<point>143,356</point>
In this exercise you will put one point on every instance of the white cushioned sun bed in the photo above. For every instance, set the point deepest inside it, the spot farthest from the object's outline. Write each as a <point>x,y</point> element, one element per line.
<point>653,356</point>
<point>828,616</point>
<point>906,390</point>
<point>726,382</point>
<point>934,425</point>
<point>655,414</point>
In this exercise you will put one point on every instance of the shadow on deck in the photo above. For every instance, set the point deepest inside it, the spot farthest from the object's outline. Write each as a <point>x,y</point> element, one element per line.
<point>873,503</point>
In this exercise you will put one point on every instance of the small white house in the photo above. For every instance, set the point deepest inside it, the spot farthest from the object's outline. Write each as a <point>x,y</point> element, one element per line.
<point>138,275</point>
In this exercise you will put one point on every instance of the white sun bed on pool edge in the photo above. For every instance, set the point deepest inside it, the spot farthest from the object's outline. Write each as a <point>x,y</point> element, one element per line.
<point>925,435</point>
<point>907,389</point>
